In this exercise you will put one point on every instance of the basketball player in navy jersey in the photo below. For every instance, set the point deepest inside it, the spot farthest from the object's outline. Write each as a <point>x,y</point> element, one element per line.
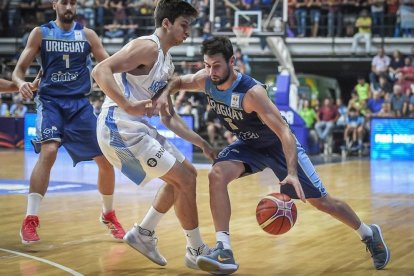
<point>131,78</point>
<point>64,114</point>
<point>264,141</point>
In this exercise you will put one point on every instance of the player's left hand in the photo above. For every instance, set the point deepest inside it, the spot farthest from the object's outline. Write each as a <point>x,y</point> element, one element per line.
<point>294,181</point>
<point>161,103</point>
<point>209,151</point>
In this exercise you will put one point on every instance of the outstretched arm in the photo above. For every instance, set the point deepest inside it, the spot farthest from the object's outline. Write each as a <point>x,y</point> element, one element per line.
<point>256,100</point>
<point>174,122</point>
<point>7,86</point>
<point>191,83</point>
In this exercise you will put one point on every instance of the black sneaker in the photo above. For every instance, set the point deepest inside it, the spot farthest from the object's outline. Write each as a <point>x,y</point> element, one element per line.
<point>219,261</point>
<point>380,252</point>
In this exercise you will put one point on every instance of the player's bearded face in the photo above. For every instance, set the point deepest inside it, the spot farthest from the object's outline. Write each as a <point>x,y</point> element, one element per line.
<point>67,17</point>
<point>218,80</point>
<point>66,10</point>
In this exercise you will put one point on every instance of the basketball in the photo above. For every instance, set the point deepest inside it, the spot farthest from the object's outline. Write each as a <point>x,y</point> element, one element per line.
<point>276,213</point>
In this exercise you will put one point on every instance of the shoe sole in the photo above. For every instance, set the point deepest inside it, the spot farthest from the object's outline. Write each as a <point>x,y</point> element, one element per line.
<point>385,245</point>
<point>140,251</point>
<point>27,242</point>
<point>107,228</point>
<point>213,267</point>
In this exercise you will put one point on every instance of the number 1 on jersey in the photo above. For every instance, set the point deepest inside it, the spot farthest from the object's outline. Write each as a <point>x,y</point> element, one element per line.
<point>66,58</point>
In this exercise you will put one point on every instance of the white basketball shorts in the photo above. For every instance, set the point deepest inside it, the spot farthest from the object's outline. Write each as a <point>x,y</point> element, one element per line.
<point>133,146</point>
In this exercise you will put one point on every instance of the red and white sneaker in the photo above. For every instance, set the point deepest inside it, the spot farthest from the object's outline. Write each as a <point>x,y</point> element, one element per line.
<point>28,232</point>
<point>109,219</point>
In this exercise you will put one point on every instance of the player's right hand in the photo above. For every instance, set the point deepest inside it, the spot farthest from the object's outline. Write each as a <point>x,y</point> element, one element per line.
<point>26,90</point>
<point>294,181</point>
<point>140,108</point>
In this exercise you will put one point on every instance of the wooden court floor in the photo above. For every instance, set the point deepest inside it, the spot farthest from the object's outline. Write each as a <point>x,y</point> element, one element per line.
<point>74,242</point>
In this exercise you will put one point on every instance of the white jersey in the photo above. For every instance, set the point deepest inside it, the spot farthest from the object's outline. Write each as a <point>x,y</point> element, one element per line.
<point>143,87</point>
<point>129,142</point>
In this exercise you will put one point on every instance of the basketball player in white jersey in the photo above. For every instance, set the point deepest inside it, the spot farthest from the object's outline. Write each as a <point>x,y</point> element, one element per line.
<point>130,79</point>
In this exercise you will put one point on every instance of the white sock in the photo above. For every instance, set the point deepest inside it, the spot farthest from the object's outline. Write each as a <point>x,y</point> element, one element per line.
<point>151,219</point>
<point>107,203</point>
<point>33,204</point>
<point>224,237</point>
<point>193,238</point>
<point>364,231</point>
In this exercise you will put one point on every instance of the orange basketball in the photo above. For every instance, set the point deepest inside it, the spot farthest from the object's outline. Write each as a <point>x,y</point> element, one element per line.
<point>276,213</point>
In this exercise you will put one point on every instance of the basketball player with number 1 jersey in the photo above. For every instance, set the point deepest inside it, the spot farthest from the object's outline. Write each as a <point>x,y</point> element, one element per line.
<point>264,141</point>
<point>64,115</point>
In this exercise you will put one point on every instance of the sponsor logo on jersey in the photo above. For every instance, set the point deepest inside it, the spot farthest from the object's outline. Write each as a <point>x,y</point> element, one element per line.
<point>157,86</point>
<point>224,110</point>
<point>235,100</point>
<point>78,35</point>
<point>248,135</point>
<point>65,46</point>
<point>64,76</point>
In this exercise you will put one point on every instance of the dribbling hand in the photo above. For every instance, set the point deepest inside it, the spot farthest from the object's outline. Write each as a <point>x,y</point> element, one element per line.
<point>294,181</point>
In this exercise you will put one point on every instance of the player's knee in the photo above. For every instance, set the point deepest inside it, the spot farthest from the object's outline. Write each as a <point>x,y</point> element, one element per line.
<point>187,181</point>
<point>216,178</point>
<point>327,205</point>
<point>48,153</point>
<point>103,164</point>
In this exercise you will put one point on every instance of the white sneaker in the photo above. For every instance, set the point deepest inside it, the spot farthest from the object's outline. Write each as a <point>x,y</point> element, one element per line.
<point>145,242</point>
<point>190,258</point>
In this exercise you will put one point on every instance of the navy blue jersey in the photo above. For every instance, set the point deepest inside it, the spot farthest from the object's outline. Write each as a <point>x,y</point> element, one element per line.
<point>65,60</point>
<point>228,106</point>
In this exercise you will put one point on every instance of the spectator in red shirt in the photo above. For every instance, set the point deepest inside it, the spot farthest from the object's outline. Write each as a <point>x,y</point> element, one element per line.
<point>327,116</point>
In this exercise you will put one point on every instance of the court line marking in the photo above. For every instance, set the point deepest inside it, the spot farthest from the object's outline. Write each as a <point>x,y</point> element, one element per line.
<point>64,268</point>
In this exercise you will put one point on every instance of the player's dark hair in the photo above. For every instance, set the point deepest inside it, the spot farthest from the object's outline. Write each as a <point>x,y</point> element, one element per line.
<point>172,9</point>
<point>218,45</point>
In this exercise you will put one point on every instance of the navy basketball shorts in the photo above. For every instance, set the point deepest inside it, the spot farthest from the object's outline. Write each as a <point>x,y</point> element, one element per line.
<point>71,122</point>
<point>272,156</point>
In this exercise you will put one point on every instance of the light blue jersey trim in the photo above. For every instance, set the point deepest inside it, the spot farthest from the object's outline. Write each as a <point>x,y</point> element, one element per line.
<point>127,91</point>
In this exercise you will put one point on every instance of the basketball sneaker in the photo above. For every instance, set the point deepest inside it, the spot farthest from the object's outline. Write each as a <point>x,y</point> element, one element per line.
<point>28,232</point>
<point>219,261</point>
<point>145,242</point>
<point>191,255</point>
<point>109,219</point>
<point>380,252</point>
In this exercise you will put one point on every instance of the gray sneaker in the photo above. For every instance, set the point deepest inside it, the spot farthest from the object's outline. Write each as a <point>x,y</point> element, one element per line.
<point>380,252</point>
<point>145,242</point>
<point>191,255</point>
<point>219,261</point>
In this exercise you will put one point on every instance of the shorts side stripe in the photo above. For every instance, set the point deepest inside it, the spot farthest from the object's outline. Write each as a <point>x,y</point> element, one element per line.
<point>130,166</point>
<point>309,170</point>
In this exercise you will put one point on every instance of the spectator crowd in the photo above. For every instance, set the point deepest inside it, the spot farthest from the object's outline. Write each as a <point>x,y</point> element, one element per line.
<point>387,91</point>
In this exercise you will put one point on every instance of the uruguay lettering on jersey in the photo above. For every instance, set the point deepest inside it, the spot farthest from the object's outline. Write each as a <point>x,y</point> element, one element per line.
<point>222,109</point>
<point>228,106</point>
<point>65,60</point>
<point>65,46</point>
